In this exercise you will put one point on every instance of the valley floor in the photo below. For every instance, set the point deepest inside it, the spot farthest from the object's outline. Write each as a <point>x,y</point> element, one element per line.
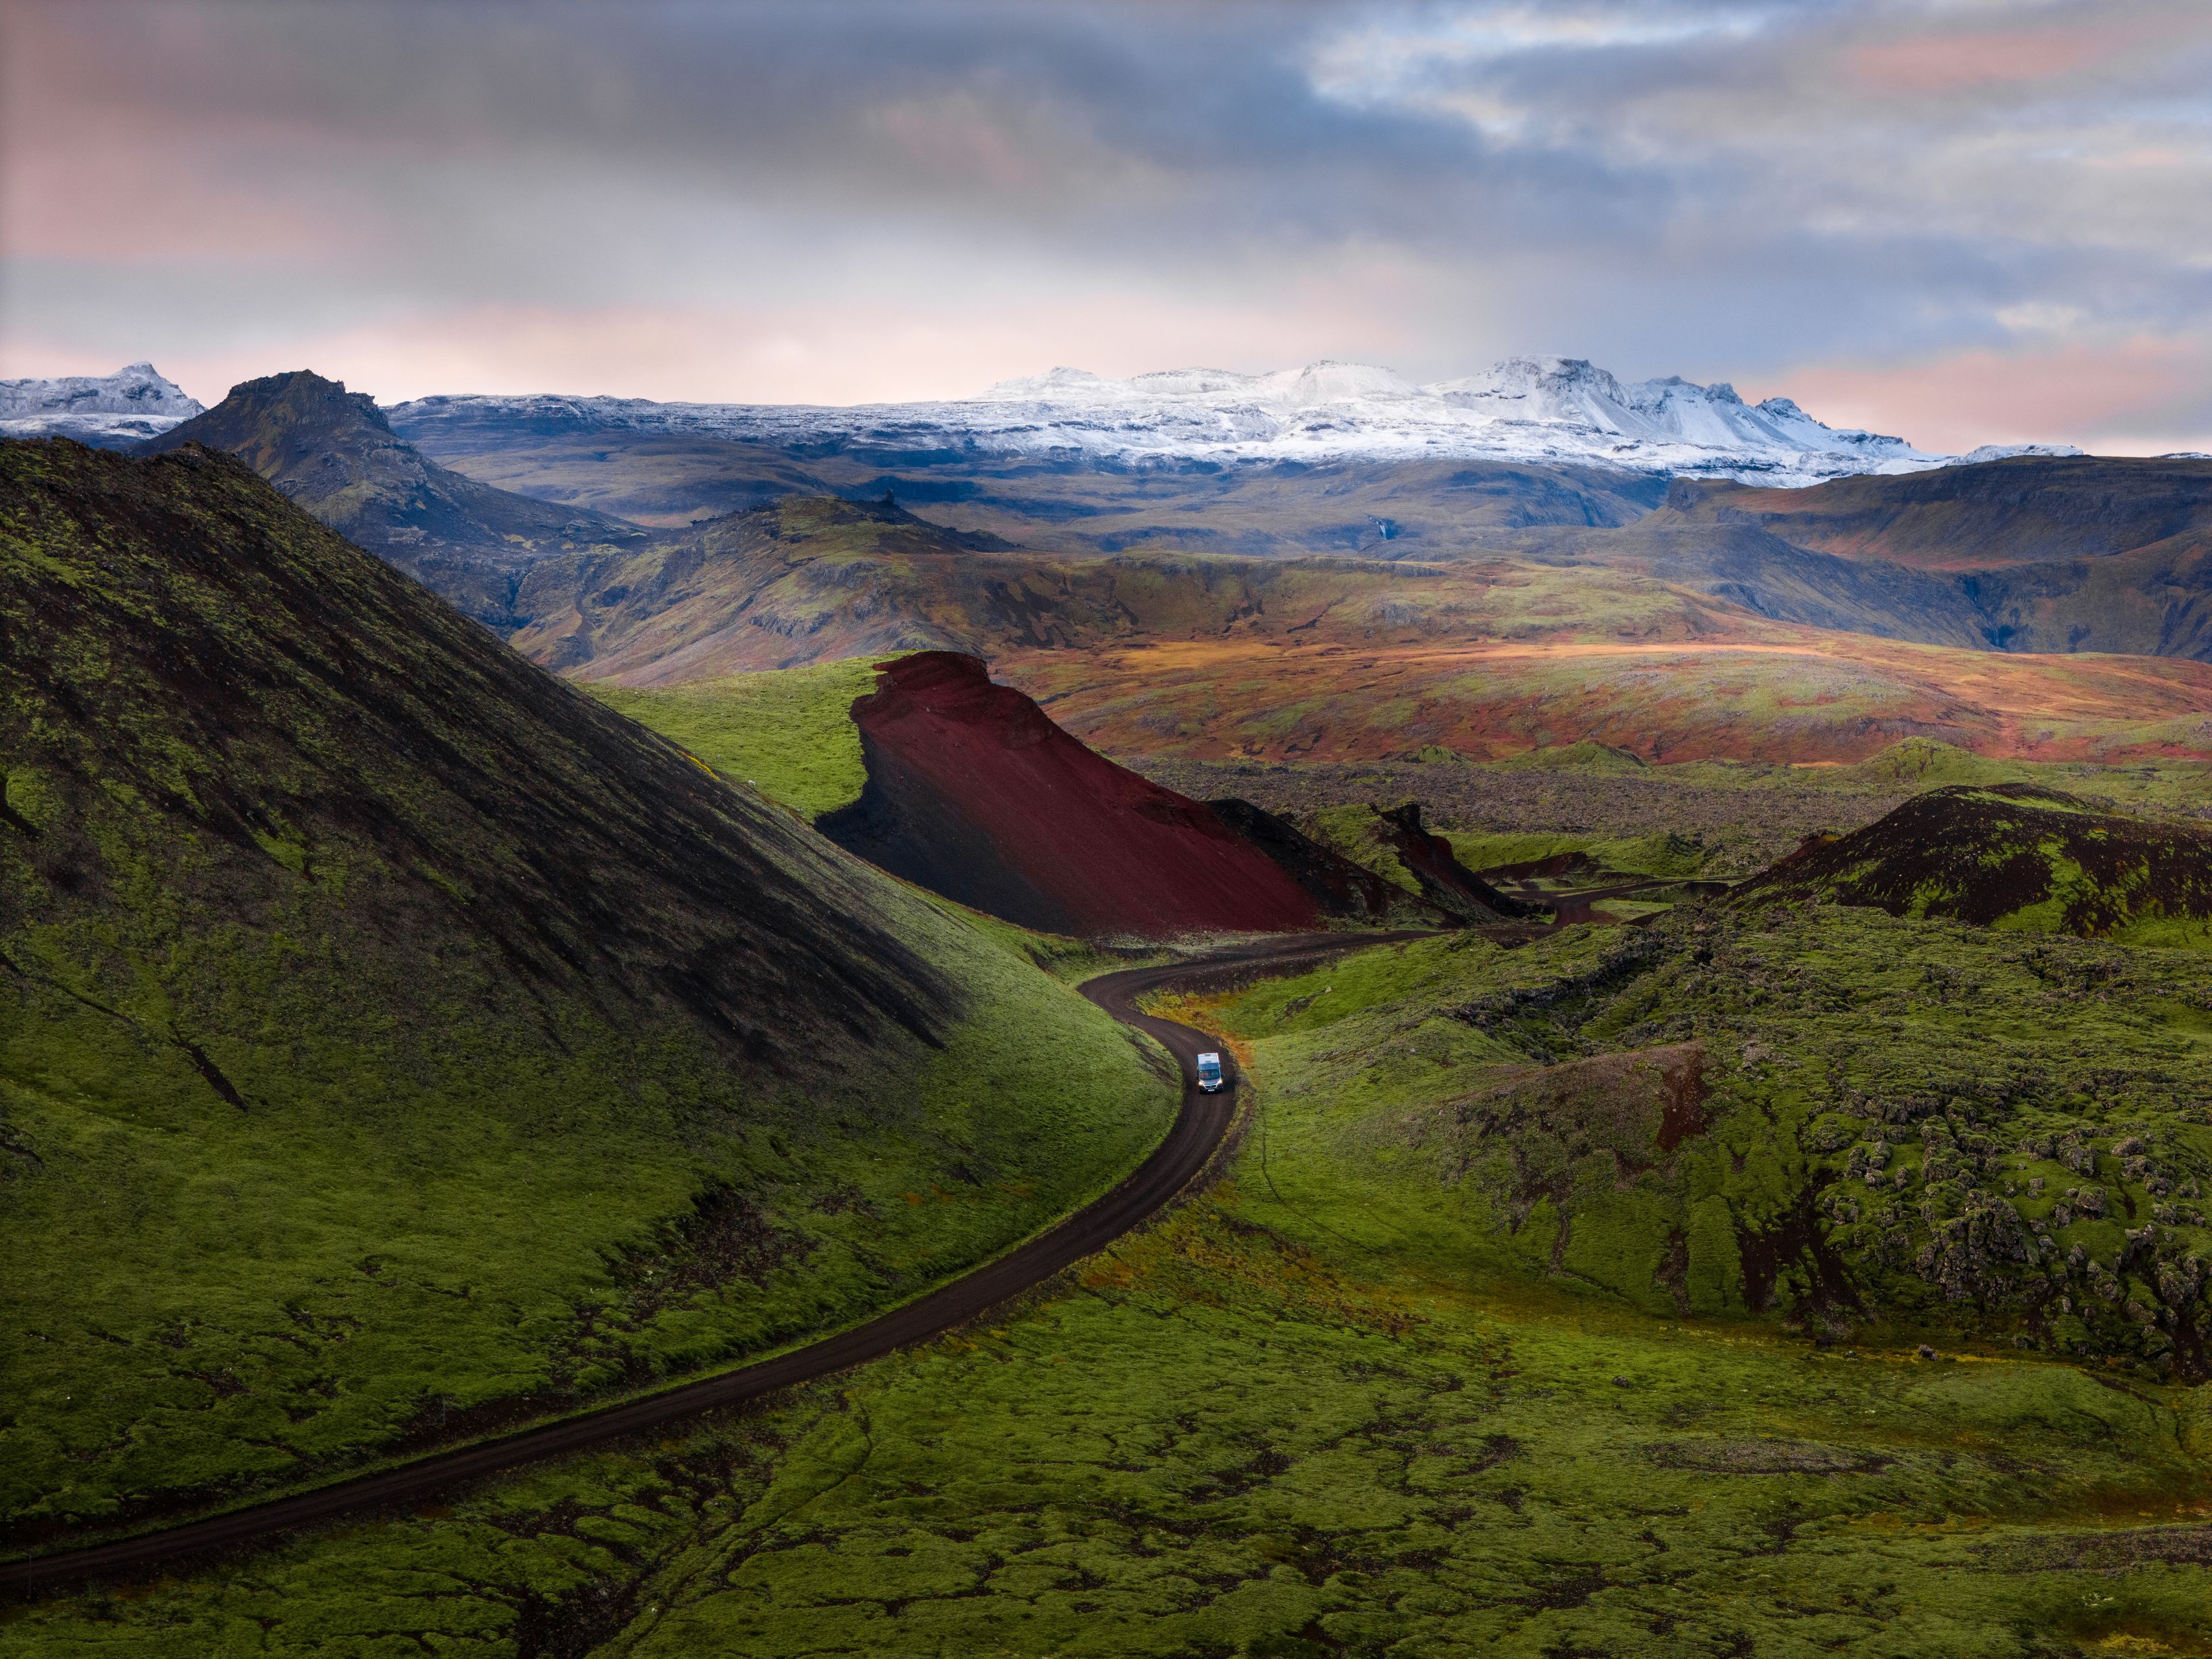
<point>1368,1396</point>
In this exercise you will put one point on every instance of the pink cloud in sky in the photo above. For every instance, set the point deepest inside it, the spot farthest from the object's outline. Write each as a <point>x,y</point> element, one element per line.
<point>827,353</point>
<point>1951,63</point>
<point>117,204</point>
<point>2129,396</point>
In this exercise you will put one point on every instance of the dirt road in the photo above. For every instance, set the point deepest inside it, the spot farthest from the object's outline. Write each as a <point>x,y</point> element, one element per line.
<point>1198,1132</point>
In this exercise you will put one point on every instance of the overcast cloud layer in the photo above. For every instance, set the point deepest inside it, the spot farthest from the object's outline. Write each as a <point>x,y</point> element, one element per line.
<point>1961,220</point>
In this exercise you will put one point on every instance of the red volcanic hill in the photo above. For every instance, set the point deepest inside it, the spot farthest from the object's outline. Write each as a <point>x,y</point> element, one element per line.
<point>974,793</point>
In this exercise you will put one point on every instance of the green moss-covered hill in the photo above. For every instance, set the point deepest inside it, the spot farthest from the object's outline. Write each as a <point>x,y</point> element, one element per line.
<point>332,451</point>
<point>2014,856</point>
<point>1903,1126</point>
<point>395,1043</point>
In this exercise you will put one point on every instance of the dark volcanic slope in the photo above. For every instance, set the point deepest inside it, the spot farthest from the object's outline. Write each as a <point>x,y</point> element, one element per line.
<point>332,452</point>
<point>287,707</point>
<point>974,793</point>
<point>1339,887</point>
<point>1417,867</point>
<point>2014,856</point>
<point>393,1040</point>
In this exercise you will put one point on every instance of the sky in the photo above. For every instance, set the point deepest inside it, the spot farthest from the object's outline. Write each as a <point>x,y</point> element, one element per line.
<point>1958,221</point>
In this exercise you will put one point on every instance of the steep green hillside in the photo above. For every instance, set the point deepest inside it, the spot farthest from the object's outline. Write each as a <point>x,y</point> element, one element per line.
<point>1463,1357</point>
<point>395,1043</point>
<point>332,452</point>
<point>788,733</point>
<point>2014,856</point>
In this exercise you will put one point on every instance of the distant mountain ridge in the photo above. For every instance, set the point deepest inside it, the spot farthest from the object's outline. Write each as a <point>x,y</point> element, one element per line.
<point>333,452</point>
<point>108,411</point>
<point>1552,410</point>
<point>2030,553</point>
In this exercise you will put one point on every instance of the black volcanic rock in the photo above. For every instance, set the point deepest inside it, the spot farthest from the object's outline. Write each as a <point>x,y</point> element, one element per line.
<point>2015,856</point>
<point>1339,887</point>
<point>1445,882</point>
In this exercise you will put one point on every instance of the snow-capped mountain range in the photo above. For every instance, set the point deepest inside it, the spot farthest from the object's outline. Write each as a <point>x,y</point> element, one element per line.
<point>1543,409</point>
<point>109,410</point>
<point>1555,410</point>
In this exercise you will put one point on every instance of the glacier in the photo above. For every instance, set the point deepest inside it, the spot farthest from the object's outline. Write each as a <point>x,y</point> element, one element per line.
<point>1550,410</point>
<point>105,411</point>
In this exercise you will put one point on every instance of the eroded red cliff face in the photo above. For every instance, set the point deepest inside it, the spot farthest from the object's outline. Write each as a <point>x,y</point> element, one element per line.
<point>974,793</point>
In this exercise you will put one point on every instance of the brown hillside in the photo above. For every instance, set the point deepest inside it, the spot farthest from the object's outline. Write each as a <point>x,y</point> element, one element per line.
<point>2027,510</point>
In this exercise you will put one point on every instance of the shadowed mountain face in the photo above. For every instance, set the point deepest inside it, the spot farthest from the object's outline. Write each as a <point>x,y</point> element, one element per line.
<point>396,1043</point>
<point>286,718</point>
<point>2014,856</point>
<point>332,452</point>
<point>972,792</point>
<point>342,956</point>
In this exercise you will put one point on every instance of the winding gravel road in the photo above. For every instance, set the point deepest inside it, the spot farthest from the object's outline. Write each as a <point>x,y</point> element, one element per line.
<point>1191,1142</point>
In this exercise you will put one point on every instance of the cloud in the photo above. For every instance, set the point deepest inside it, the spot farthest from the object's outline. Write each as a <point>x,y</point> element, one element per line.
<point>2138,396</point>
<point>1750,192</point>
<point>1948,63</point>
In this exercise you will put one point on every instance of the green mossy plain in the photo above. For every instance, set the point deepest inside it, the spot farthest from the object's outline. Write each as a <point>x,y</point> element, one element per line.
<point>1360,1399</point>
<point>788,732</point>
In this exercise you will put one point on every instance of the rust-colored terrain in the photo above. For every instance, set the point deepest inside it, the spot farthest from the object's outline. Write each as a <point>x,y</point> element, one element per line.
<point>1334,660</point>
<point>972,792</point>
<point>1760,691</point>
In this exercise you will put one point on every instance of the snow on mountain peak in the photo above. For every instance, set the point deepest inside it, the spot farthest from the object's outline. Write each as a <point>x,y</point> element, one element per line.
<point>1053,379</point>
<point>1330,382</point>
<point>104,410</point>
<point>2013,451</point>
<point>1540,410</point>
